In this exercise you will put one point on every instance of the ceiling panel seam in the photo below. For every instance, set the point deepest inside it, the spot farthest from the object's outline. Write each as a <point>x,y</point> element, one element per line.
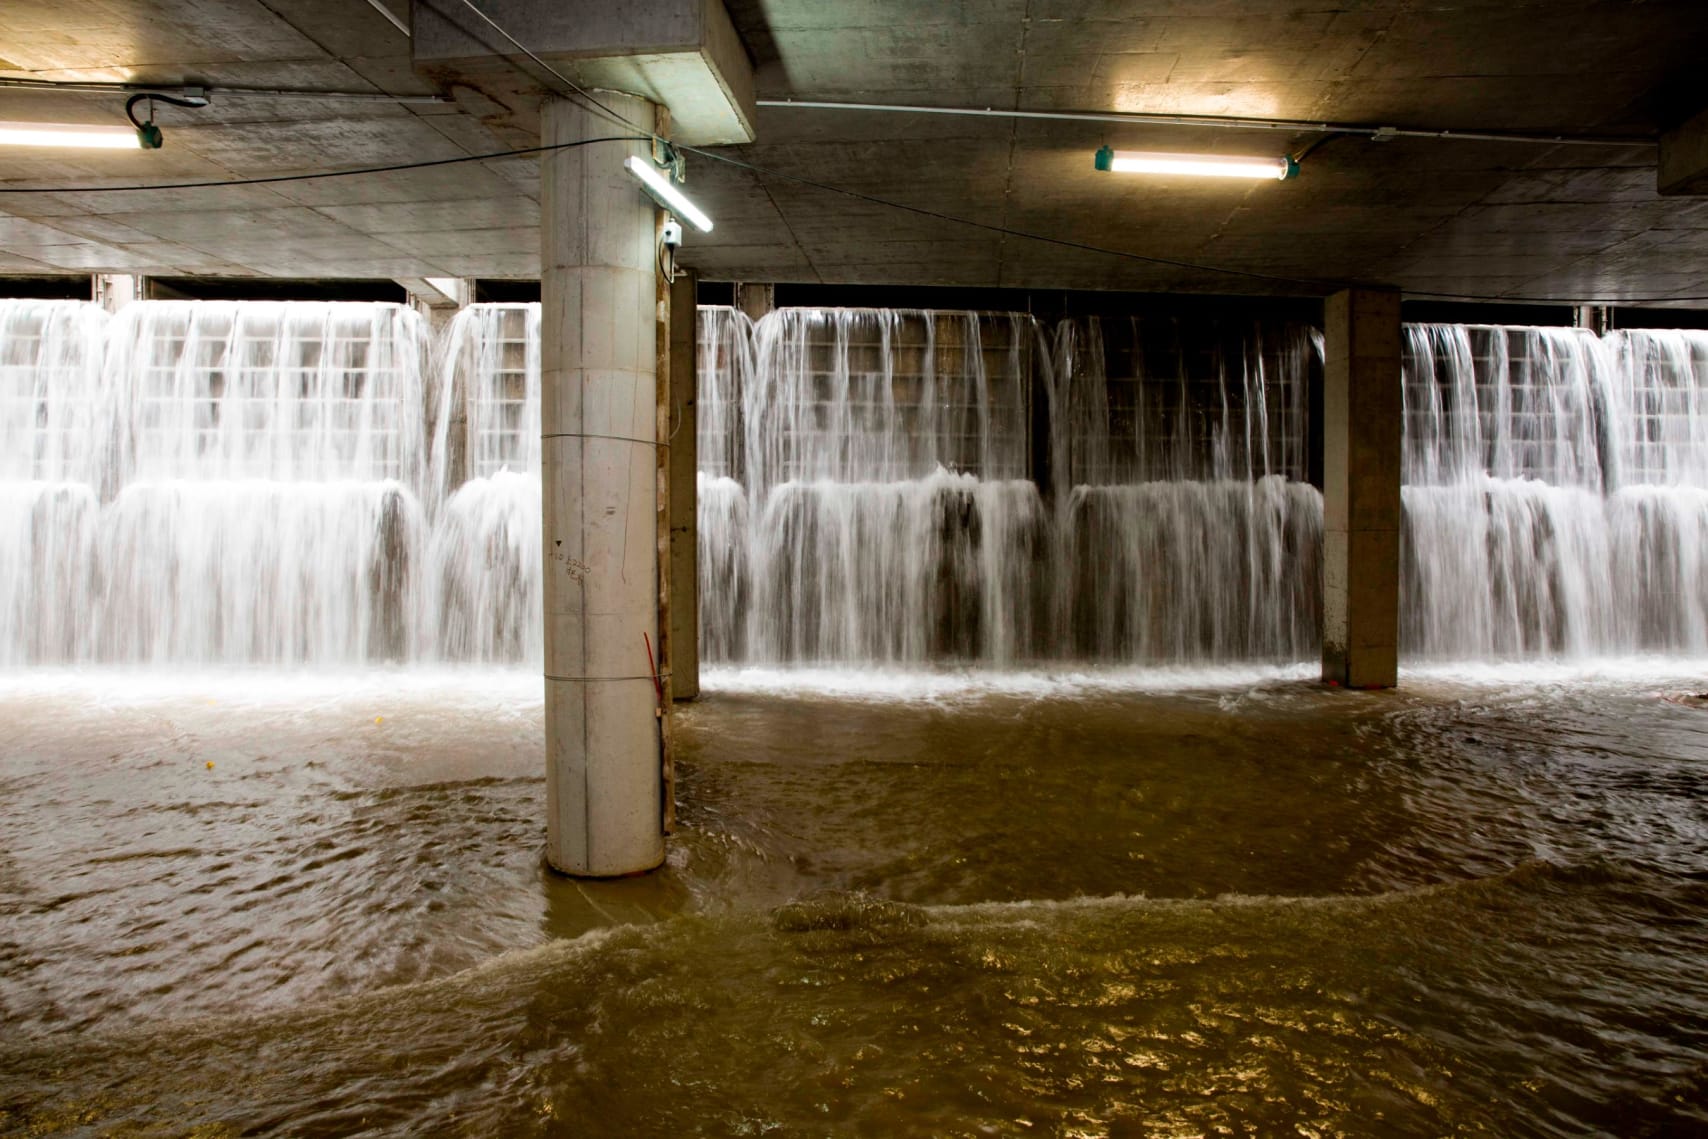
<point>1013,143</point>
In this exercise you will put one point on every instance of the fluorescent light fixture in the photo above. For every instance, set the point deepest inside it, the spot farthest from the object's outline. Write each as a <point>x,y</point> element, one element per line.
<point>1205,165</point>
<point>70,134</point>
<point>665,193</point>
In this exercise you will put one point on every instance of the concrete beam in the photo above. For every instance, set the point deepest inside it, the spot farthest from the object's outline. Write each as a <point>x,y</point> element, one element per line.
<point>684,491</point>
<point>1683,164</point>
<point>1362,421</point>
<point>681,54</point>
<point>599,468</point>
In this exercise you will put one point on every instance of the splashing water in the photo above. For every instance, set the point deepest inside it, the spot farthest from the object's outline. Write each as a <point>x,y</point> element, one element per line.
<point>236,482</point>
<point>1556,497</point>
<point>898,503</point>
<point>295,484</point>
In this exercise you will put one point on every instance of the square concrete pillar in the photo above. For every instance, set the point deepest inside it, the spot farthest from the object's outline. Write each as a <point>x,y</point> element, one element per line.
<point>756,301</point>
<point>684,491</point>
<point>1362,425</point>
<point>599,467</point>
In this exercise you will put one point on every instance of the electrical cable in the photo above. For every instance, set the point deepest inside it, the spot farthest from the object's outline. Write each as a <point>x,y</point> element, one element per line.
<point>643,135</point>
<point>94,87</point>
<point>1309,283</point>
<point>992,227</point>
<point>1234,122</point>
<point>276,178</point>
<point>149,97</point>
<point>1305,282</point>
<point>596,106</point>
<point>1604,302</point>
<point>1332,130</point>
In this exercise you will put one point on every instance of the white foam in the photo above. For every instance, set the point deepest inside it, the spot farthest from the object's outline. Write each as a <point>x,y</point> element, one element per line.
<point>944,684</point>
<point>1623,671</point>
<point>261,687</point>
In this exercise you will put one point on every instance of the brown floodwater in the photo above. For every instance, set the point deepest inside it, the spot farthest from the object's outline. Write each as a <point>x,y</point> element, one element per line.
<point>1124,904</point>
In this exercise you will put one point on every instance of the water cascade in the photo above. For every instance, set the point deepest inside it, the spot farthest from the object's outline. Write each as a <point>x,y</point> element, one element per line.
<point>1556,497</point>
<point>1187,529</point>
<point>725,368</point>
<point>483,558</point>
<point>871,501</point>
<point>875,489</point>
<point>57,438</point>
<point>219,483</point>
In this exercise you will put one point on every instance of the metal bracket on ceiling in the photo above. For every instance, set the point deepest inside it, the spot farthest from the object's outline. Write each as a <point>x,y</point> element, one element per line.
<point>147,132</point>
<point>667,157</point>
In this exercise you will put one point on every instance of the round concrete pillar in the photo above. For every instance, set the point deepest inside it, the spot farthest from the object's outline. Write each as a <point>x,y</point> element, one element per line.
<point>598,321</point>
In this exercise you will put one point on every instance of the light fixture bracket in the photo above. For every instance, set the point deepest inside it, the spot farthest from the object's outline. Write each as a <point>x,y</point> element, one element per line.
<point>148,135</point>
<point>660,185</point>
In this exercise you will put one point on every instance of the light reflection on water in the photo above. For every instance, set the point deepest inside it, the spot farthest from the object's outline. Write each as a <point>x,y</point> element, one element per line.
<point>964,904</point>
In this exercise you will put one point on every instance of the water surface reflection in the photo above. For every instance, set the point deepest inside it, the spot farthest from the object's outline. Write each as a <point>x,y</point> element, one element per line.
<point>1074,905</point>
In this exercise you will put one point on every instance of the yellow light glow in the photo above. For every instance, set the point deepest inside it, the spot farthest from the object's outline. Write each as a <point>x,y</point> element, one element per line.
<point>1199,165</point>
<point>69,134</point>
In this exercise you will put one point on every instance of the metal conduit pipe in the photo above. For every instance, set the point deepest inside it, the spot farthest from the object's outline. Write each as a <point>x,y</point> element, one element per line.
<point>185,90</point>
<point>1224,122</point>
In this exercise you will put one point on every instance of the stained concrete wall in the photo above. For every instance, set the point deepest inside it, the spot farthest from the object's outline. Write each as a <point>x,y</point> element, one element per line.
<point>684,498</point>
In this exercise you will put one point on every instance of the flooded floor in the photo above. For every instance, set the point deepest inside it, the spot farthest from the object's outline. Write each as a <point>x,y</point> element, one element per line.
<point>1124,905</point>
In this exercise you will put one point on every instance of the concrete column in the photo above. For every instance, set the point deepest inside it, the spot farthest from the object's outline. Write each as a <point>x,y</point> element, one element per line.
<point>113,291</point>
<point>755,300</point>
<point>598,269</point>
<point>1362,413</point>
<point>684,491</point>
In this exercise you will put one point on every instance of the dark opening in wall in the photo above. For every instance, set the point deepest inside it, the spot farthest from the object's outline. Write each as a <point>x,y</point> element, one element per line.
<point>1557,316</point>
<point>273,289</point>
<point>80,288</point>
<point>1660,318</point>
<point>715,292</point>
<point>1467,312</point>
<point>495,291</point>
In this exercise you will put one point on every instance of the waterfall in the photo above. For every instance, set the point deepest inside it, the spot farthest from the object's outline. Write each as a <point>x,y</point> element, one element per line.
<point>1187,531</point>
<point>211,482</point>
<point>326,484</point>
<point>1555,492</point>
<point>884,498</point>
<point>57,433</point>
<point>865,486</point>
<point>483,569</point>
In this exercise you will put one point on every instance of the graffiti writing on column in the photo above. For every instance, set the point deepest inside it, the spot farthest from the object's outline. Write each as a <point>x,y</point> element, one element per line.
<point>575,567</point>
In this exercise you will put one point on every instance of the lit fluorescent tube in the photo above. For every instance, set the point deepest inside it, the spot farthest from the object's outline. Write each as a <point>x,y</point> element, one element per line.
<point>1205,165</point>
<point>70,134</point>
<point>666,194</point>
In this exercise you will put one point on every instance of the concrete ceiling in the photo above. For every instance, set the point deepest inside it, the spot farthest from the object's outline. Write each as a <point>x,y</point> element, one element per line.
<point>1478,219</point>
